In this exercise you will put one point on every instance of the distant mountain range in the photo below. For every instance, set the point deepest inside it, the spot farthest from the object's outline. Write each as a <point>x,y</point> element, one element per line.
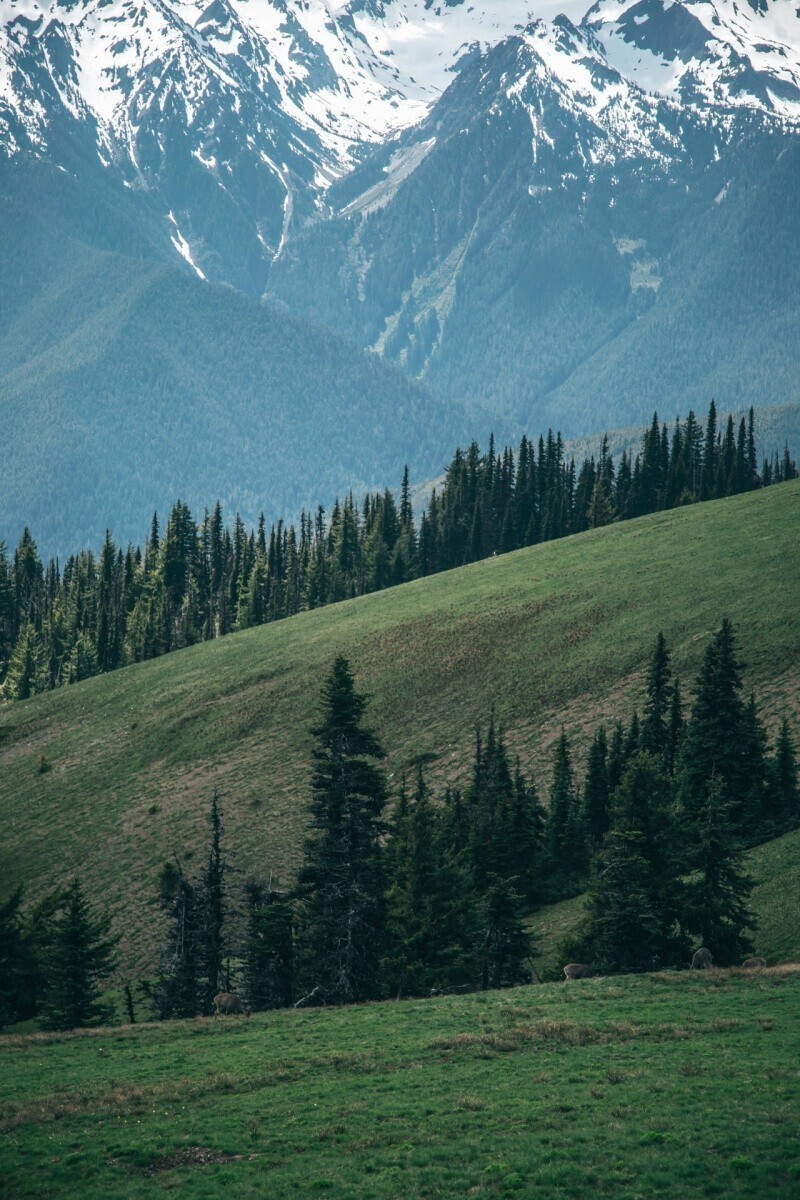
<point>540,218</point>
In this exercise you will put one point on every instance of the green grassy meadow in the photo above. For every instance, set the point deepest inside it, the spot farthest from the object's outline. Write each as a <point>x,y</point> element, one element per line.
<point>554,635</point>
<point>673,1086</point>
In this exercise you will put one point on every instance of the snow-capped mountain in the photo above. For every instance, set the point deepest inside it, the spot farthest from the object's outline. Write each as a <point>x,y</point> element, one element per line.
<point>234,117</point>
<point>719,54</point>
<point>560,241</point>
<point>543,214</point>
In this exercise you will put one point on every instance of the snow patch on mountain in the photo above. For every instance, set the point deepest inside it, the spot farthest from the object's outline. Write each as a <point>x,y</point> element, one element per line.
<point>426,40</point>
<point>729,54</point>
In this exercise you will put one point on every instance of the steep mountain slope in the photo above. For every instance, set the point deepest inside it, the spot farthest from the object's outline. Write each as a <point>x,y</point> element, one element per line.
<point>555,635</point>
<point>557,212</point>
<point>710,53</point>
<point>230,117</point>
<point>126,383</point>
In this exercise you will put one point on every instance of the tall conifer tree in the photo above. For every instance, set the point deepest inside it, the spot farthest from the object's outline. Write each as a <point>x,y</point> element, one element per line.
<point>342,917</point>
<point>79,956</point>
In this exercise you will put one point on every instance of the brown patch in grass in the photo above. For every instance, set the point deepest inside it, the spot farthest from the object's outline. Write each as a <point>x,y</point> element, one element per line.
<point>133,1099</point>
<point>543,1032</point>
<point>187,1156</point>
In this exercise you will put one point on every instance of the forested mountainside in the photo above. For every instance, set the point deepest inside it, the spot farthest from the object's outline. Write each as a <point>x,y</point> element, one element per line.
<point>126,382</point>
<point>537,288</point>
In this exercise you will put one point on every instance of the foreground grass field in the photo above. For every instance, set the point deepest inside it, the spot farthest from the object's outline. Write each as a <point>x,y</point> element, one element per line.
<point>669,1086</point>
<point>558,634</point>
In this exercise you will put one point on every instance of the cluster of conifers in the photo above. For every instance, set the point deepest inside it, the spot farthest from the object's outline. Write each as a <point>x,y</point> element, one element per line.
<point>198,581</point>
<point>406,896</point>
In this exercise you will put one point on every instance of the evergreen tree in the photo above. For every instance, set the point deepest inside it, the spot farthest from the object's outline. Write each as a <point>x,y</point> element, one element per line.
<point>616,757</point>
<point>565,844</point>
<point>177,991</point>
<point>601,509</point>
<point>27,670</point>
<point>506,947</point>
<point>711,748</point>
<point>636,896</point>
<point>17,969</point>
<point>596,791</point>
<point>269,948</point>
<point>341,881</point>
<point>7,617</point>
<point>655,726</point>
<point>525,826</point>
<point>751,804</point>
<point>79,955</point>
<point>718,893</point>
<point>211,905</point>
<point>784,793</point>
<point>430,902</point>
<point>675,729</point>
<point>490,805</point>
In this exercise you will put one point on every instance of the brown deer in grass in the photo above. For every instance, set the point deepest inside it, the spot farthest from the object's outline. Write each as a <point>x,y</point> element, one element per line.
<point>701,960</point>
<point>754,964</point>
<point>577,971</point>
<point>227,1004</point>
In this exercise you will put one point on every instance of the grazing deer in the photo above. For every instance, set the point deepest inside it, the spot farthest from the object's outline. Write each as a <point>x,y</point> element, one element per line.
<point>228,1003</point>
<point>701,960</point>
<point>577,971</point>
<point>754,964</point>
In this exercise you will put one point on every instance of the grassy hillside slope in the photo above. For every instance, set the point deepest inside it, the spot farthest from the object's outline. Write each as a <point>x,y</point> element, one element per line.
<point>629,1087</point>
<point>557,634</point>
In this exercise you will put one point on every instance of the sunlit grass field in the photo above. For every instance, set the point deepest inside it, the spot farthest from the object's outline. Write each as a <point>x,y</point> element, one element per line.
<point>672,1086</point>
<point>557,634</point>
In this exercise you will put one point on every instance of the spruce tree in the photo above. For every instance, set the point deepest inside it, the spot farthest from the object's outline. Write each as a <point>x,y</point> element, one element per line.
<point>490,803</point>
<point>565,841</point>
<point>675,728</point>
<point>27,670</point>
<point>342,917</point>
<point>430,902</point>
<point>79,955</point>
<point>654,735</point>
<point>712,742</point>
<point>751,804</point>
<point>596,791</point>
<point>268,956</point>
<point>783,790</point>
<point>506,947</point>
<point>177,990</point>
<point>719,890</point>
<point>17,966</point>
<point>525,825</point>
<point>211,906</point>
<point>622,928</point>
<point>636,897</point>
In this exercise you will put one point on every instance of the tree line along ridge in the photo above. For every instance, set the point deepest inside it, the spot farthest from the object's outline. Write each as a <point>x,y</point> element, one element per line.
<point>199,581</point>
